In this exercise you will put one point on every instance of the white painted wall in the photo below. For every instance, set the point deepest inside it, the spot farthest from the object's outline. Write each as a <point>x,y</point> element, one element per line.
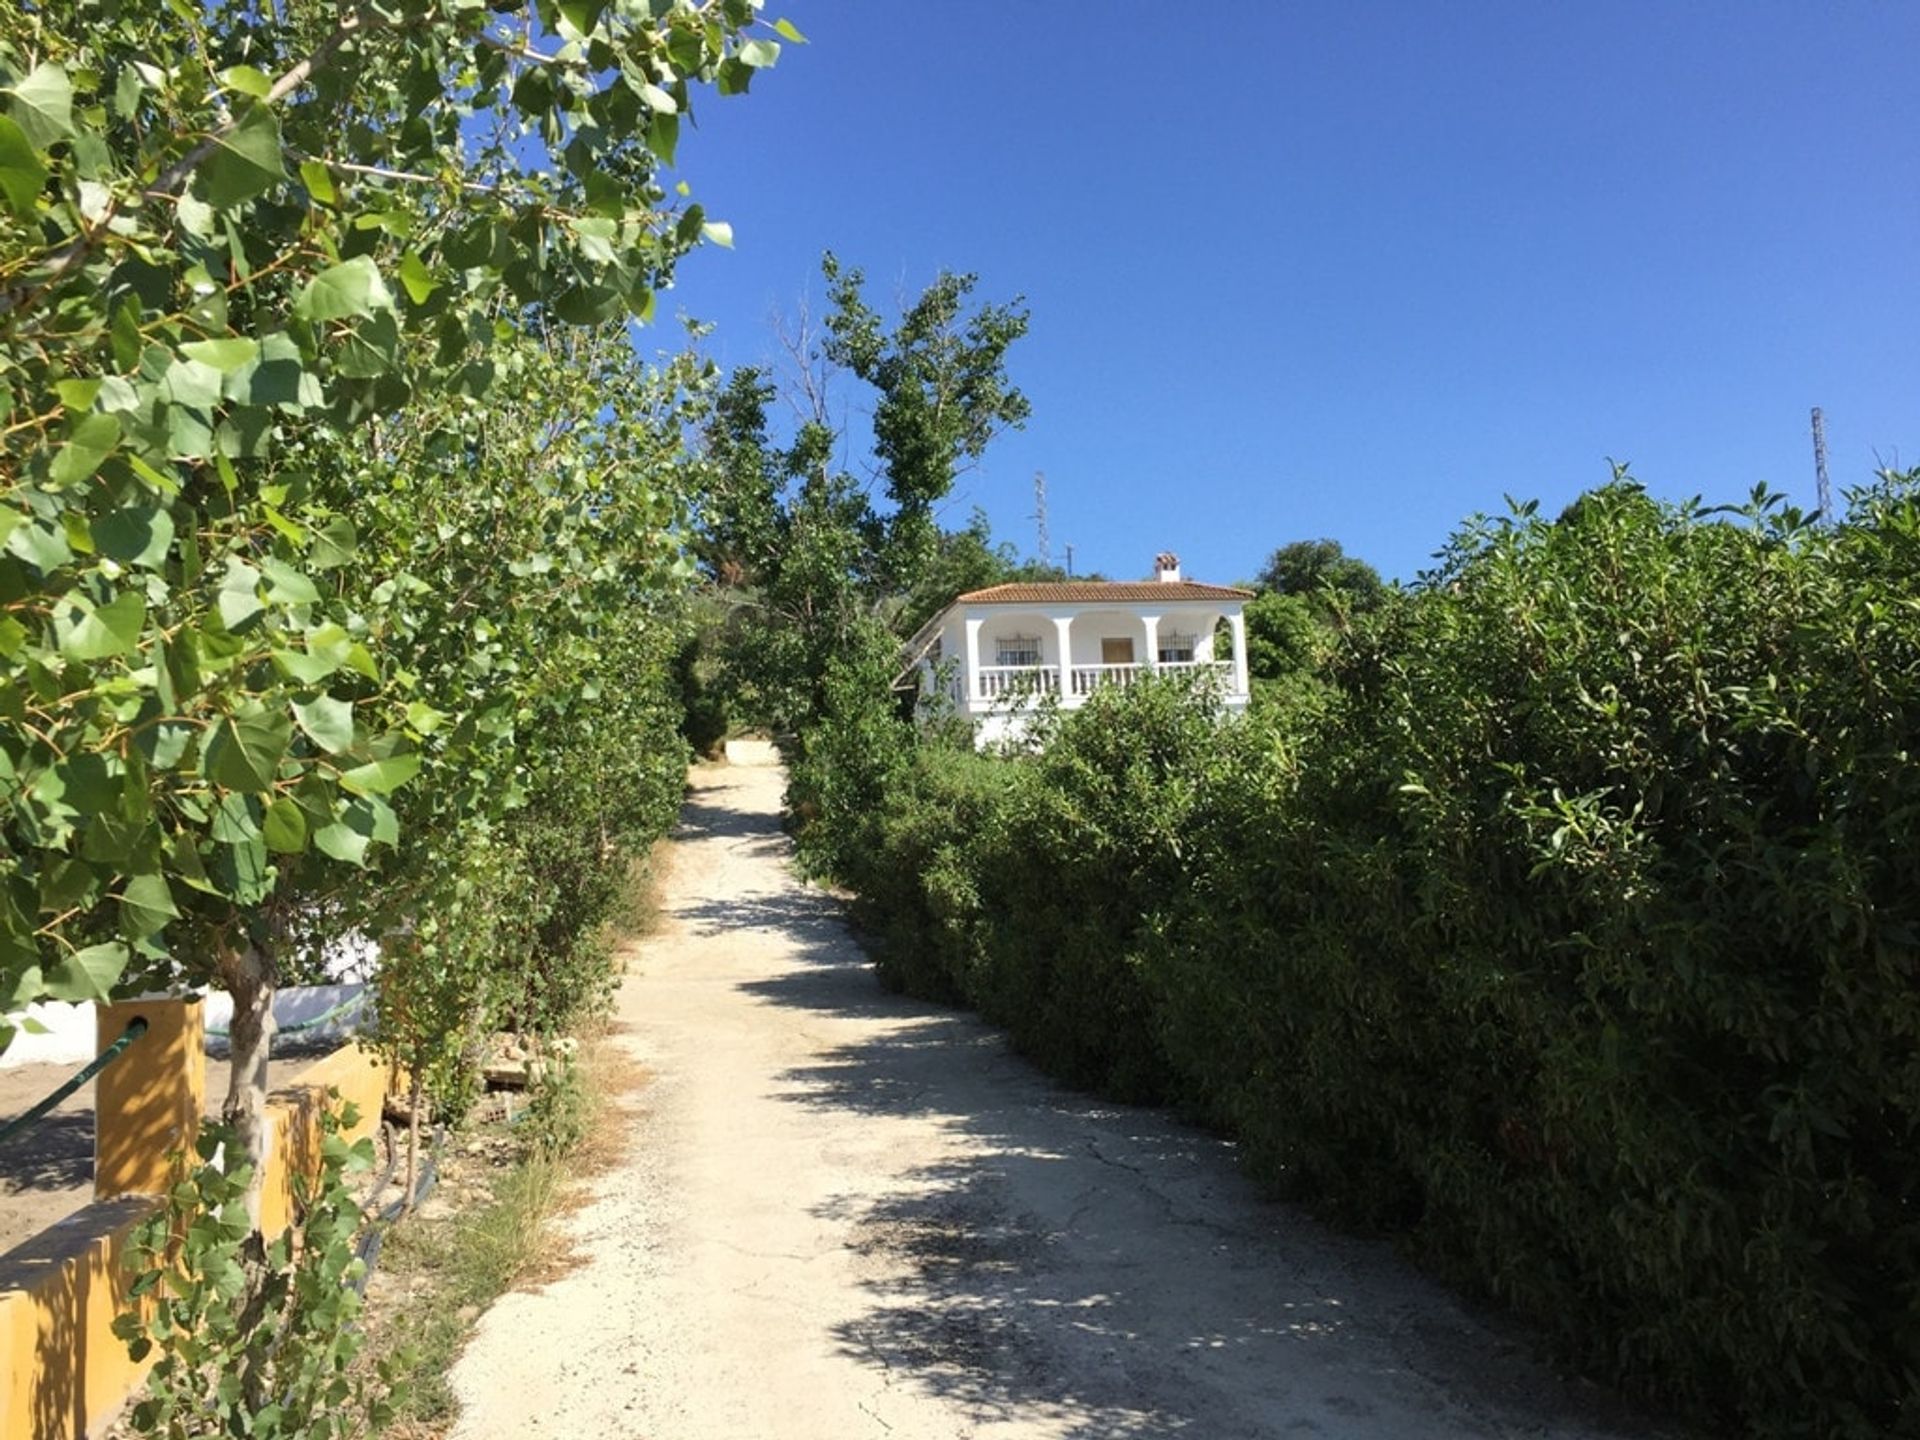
<point>1003,621</point>
<point>70,1037</point>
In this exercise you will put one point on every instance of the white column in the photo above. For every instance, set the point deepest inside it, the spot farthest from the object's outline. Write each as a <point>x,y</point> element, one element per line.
<point>1151,624</point>
<point>973,657</point>
<point>1063,634</point>
<point>1239,624</point>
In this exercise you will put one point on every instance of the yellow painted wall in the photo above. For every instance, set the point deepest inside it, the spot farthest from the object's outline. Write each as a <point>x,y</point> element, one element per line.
<point>63,1374</point>
<point>361,1078</point>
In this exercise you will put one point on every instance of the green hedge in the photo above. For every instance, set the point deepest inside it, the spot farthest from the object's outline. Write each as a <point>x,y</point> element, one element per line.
<point>1574,939</point>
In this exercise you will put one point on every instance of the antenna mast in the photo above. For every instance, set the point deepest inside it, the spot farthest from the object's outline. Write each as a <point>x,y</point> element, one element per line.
<point>1823,490</point>
<point>1040,517</point>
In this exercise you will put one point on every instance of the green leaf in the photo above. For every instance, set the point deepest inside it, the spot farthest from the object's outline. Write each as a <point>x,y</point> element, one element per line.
<point>333,544</point>
<point>367,821</point>
<point>88,974</point>
<point>135,535</point>
<point>247,80</point>
<point>286,585</point>
<point>192,383</point>
<point>77,394</point>
<point>278,377</point>
<point>189,433</point>
<point>22,176</point>
<point>372,348</point>
<point>760,54</point>
<point>719,232</point>
<point>233,822</point>
<point>319,182</point>
<point>246,750</point>
<point>659,100</point>
<point>381,777</point>
<point>328,648</point>
<point>225,356</point>
<point>41,545</point>
<point>328,723</point>
<point>43,105</point>
<point>146,904</point>
<point>104,631</point>
<point>127,340</point>
<point>582,15</point>
<point>285,827</point>
<point>790,31</point>
<point>417,279</point>
<point>245,160</point>
<point>663,137</point>
<point>342,842</point>
<point>243,871</point>
<point>91,440</point>
<point>350,289</point>
<point>239,600</point>
<point>377,817</point>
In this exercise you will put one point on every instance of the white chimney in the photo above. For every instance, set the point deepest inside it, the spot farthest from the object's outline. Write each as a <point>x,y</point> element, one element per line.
<point>1166,567</point>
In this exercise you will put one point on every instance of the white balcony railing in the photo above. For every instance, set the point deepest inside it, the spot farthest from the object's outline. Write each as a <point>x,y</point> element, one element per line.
<point>997,681</point>
<point>1085,679</point>
<point>1001,682</point>
<point>1089,678</point>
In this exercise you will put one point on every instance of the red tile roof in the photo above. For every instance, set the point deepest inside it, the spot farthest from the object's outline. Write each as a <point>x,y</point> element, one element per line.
<point>1074,592</point>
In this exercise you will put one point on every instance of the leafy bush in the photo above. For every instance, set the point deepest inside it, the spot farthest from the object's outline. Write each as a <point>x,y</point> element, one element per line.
<point>253,1339</point>
<point>1572,934</point>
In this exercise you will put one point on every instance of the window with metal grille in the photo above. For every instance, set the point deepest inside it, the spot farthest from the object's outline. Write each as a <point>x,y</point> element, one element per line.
<point>1177,649</point>
<point>1016,650</point>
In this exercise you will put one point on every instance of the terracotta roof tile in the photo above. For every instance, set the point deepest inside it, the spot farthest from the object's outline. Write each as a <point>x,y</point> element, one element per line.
<point>1076,592</point>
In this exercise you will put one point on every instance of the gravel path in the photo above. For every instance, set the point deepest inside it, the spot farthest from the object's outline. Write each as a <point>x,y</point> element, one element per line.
<point>851,1214</point>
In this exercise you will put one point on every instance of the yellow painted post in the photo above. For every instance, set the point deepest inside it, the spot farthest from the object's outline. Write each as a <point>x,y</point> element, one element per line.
<point>147,1103</point>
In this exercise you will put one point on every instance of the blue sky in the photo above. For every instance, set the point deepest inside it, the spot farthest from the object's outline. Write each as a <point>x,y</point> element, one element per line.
<point>1355,270</point>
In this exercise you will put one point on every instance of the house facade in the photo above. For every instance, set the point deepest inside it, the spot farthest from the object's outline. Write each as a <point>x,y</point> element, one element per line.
<point>996,655</point>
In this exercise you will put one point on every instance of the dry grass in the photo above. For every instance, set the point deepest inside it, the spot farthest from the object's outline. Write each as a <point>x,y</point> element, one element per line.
<point>609,1074</point>
<point>439,1271</point>
<point>503,1188</point>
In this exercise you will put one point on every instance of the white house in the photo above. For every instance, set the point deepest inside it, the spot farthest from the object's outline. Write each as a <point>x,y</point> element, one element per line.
<point>995,655</point>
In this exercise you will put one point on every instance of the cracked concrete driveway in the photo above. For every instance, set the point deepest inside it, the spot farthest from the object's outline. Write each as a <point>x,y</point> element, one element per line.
<point>849,1213</point>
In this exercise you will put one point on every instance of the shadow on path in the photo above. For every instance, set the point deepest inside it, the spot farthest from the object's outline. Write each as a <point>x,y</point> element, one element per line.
<point>56,1154</point>
<point>1101,1266</point>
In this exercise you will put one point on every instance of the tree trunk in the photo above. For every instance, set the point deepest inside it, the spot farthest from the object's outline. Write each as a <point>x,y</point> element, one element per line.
<point>413,1142</point>
<point>248,974</point>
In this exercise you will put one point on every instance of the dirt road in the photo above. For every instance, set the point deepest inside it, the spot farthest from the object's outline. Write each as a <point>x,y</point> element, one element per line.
<point>850,1214</point>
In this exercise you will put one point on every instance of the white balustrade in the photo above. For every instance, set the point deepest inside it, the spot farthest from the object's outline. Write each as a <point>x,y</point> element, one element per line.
<point>1086,679</point>
<point>997,681</point>
<point>1089,678</point>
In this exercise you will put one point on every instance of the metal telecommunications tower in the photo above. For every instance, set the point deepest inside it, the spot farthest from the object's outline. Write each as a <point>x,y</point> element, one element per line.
<point>1824,491</point>
<point>1040,517</point>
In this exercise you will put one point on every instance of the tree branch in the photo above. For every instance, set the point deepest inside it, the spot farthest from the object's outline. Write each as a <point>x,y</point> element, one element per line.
<point>284,86</point>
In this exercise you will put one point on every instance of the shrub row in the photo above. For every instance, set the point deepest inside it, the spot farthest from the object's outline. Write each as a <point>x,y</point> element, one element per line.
<point>1572,936</point>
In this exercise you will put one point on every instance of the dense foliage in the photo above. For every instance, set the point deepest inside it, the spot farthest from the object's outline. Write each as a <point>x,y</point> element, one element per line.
<point>1304,601</point>
<point>1573,938</point>
<point>234,238</point>
<point>811,570</point>
<point>270,1350</point>
<point>320,554</point>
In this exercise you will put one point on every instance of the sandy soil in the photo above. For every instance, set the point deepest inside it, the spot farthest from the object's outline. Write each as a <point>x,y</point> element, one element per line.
<point>850,1214</point>
<point>47,1173</point>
